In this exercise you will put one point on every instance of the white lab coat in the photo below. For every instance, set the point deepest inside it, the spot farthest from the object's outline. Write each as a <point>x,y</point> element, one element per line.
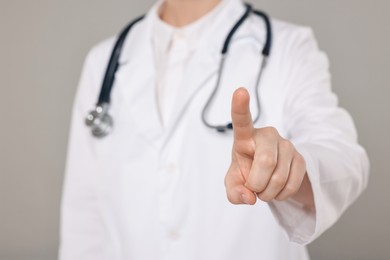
<point>150,191</point>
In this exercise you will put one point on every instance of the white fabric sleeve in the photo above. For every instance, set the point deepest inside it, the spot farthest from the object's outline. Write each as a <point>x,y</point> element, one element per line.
<point>82,233</point>
<point>325,135</point>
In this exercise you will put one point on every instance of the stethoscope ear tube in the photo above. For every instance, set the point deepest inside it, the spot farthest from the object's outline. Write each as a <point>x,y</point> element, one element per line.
<point>226,44</point>
<point>265,52</point>
<point>113,64</point>
<point>268,40</point>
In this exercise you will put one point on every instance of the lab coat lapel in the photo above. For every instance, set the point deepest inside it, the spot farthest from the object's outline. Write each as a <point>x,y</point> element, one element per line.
<point>136,79</point>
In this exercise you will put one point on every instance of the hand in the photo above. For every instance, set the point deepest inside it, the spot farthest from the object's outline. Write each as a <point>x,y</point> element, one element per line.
<point>263,163</point>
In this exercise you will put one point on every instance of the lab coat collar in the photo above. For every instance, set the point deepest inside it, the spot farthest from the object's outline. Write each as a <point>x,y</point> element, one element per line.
<point>136,80</point>
<point>164,32</point>
<point>211,40</point>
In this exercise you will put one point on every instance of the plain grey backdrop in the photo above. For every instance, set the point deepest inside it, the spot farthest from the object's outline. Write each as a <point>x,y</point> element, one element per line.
<point>42,47</point>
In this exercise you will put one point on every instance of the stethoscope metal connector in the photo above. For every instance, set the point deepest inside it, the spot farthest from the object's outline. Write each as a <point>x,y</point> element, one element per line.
<point>100,121</point>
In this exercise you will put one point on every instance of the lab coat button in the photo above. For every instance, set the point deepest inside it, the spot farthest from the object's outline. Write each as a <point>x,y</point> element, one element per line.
<point>171,168</point>
<point>173,235</point>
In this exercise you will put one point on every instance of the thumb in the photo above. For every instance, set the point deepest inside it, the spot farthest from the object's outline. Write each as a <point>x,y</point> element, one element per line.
<point>241,115</point>
<point>236,191</point>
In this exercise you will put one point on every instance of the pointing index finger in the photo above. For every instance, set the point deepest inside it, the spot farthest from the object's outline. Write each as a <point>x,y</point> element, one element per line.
<point>241,115</point>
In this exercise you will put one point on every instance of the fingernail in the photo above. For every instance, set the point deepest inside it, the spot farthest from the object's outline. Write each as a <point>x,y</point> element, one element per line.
<point>245,198</point>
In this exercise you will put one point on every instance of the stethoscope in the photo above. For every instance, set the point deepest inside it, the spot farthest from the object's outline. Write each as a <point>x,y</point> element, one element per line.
<point>100,121</point>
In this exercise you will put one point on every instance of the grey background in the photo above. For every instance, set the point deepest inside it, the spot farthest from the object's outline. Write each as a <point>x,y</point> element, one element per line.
<point>42,47</point>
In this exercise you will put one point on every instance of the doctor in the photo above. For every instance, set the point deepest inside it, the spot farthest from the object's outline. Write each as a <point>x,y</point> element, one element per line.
<point>162,185</point>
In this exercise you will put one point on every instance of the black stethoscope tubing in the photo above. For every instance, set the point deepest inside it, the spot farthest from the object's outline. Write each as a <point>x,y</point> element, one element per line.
<point>101,122</point>
<point>113,64</point>
<point>264,52</point>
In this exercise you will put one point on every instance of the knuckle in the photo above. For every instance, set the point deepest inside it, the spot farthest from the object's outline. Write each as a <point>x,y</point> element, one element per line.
<point>290,189</point>
<point>267,160</point>
<point>278,180</point>
<point>286,145</point>
<point>270,131</point>
<point>299,159</point>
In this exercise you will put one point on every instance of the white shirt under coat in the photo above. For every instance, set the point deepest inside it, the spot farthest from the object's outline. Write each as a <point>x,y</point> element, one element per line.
<point>173,48</point>
<point>154,189</point>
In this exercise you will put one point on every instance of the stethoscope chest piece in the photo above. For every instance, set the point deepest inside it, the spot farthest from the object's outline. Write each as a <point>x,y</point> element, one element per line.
<point>100,121</point>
